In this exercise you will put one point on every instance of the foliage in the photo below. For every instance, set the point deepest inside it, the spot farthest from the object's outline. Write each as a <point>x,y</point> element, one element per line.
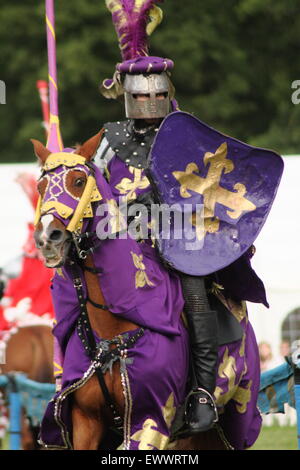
<point>235,63</point>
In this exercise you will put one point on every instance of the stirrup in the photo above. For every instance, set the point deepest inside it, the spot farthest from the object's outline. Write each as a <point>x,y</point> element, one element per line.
<point>194,427</point>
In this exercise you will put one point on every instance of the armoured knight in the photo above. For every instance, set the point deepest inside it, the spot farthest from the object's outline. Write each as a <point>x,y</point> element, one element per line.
<point>124,156</point>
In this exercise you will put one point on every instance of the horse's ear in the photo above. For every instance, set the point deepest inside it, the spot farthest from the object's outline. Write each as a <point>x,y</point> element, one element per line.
<point>40,150</point>
<point>89,148</point>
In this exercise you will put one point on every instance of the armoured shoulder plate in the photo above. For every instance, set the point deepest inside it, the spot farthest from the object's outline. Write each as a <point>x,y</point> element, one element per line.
<point>130,146</point>
<point>103,155</point>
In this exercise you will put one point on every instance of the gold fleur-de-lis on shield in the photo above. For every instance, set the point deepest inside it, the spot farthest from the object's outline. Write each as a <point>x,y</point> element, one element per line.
<point>212,191</point>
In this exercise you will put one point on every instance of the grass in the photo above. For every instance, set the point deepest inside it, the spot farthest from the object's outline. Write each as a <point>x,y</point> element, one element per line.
<point>271,438</point>
<point>277,438</point>
<point>5,443</point>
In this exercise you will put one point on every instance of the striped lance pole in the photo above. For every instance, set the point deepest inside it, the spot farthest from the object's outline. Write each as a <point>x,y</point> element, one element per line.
<point>54,142</point>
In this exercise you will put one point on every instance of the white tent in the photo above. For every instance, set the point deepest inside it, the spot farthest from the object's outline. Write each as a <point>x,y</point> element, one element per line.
<point>277,258</point>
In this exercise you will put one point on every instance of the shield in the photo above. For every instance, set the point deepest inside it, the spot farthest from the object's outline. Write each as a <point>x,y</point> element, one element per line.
<point>221,189</point>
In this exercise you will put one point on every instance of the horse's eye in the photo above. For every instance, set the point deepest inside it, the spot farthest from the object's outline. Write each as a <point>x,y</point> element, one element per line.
<point>79,182</point>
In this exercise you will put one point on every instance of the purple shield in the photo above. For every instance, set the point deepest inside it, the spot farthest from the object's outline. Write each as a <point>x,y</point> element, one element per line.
<point>224,189</point>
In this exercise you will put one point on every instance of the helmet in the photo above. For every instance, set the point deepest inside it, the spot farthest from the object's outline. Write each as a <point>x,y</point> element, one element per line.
<point>147,95</point>
<point>142,78</point>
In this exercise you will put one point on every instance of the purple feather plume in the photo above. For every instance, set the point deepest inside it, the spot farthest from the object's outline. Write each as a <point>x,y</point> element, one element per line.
<point>130,18</point>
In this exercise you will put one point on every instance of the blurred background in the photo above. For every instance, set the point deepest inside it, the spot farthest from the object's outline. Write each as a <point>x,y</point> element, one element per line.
<point>235,67</point>
<point>235,62</point>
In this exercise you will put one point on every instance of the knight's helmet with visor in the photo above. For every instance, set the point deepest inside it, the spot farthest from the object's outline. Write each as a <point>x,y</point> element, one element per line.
<point>139,73</point>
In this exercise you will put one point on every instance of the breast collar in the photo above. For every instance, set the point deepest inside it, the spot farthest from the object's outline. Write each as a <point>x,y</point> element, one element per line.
<point>131,145</point>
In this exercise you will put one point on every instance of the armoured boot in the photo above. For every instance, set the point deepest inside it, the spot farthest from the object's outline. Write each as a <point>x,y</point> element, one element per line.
<point>201,412</point>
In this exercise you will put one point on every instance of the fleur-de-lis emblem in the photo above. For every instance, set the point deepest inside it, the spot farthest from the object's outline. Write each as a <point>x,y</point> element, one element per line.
<point>149,437</point>
<point>141,278</point>
<point>213,193</point>
<point>240,395</point>
<point>116,220</point>
<point>128,186</point>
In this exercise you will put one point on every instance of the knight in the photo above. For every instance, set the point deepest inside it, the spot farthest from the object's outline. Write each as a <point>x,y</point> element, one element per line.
<point>149,97</point>
<point>125,156</point>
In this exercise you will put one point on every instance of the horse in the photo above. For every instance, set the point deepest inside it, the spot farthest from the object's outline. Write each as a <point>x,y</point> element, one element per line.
<point>29,350</point>
<point>143,367</point>
<point>26,340</point>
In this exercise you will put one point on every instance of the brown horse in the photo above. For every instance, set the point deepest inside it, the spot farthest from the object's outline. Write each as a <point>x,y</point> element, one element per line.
<point>90,414</point>
<point>30,351</point>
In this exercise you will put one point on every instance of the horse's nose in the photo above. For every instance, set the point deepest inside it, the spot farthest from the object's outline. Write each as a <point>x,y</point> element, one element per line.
<point>56,235</point>
<point>53,238</point>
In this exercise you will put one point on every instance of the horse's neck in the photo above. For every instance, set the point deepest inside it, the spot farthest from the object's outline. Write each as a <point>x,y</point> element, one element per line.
<point>103,322</point>
<point>106,324</point>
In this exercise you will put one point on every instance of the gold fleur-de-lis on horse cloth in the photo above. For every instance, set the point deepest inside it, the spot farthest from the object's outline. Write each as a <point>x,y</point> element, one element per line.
<point>129,186</point>
<point>149,437</point>
<point>240,395</point>
<point>212,192</point>
<point>141,278</point>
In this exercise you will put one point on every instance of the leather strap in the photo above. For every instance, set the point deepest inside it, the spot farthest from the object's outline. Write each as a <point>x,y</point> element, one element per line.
<point>86,335</point>
<point>92,270</point>
<point>100,306</point>
<point>89,247</point>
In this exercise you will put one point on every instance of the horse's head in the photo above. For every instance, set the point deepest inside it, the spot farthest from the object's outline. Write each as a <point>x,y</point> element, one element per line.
<point>67,189</point>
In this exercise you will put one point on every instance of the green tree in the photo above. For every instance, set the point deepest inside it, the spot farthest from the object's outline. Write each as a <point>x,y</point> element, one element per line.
<point>235,62</point>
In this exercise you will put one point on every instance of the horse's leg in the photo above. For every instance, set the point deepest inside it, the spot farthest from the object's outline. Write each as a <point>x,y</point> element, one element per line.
<point>87,430</point>
<point>89,413</point>
<point>88,424</point>
<point>27,439</point>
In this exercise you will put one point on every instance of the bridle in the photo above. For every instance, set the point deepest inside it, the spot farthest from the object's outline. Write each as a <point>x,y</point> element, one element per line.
<point>90,194</point>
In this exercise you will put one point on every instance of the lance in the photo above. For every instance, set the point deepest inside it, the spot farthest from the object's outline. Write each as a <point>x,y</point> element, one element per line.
<point>42,87</point>
<point>54,142</point>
